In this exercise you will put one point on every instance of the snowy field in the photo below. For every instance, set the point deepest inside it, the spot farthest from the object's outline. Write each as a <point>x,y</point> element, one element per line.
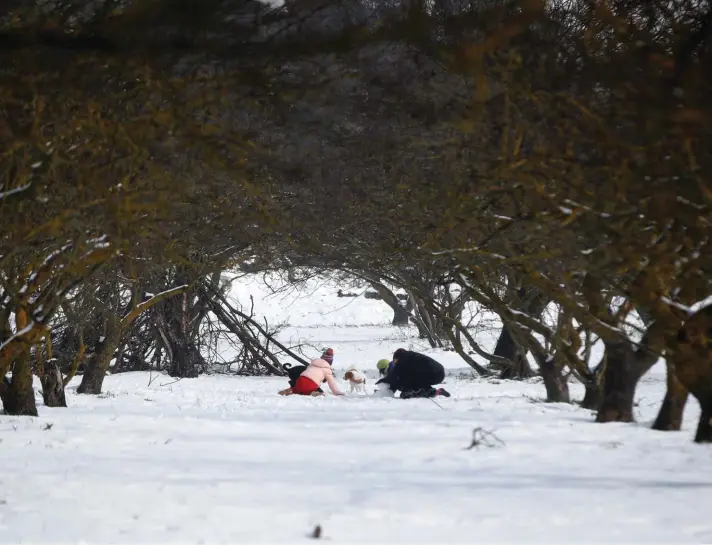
<point>224,459</point>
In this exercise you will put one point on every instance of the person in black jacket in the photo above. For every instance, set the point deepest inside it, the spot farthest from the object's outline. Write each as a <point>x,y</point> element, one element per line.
<point>414,375</point>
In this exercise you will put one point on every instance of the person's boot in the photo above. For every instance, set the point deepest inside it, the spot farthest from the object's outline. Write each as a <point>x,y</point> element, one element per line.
<point>419,393</point>
<point>442,392</point>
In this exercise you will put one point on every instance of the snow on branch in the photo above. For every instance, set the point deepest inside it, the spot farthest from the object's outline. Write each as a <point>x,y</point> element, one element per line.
<point>692,309</point>
<point>476,249</point>
<point>15,190</point>
<point>24,331</point>
<point>148,303</point>
<point>701,305</point>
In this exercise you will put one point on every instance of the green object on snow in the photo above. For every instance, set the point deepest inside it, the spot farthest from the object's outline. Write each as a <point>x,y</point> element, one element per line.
<point>383,364</point>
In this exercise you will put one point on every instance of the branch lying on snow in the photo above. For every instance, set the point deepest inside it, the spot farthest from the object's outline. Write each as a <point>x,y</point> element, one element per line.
<point>250,343</point>
<point>484,438</point>
<point>210,290</point>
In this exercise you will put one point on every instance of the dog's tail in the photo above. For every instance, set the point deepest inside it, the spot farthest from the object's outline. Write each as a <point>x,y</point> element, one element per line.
<point>287,366</point>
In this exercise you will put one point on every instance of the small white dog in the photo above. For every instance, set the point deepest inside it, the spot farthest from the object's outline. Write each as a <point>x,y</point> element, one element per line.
<point>356,379</point>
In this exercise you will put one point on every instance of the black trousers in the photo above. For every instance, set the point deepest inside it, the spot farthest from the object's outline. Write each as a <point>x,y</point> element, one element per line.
<point>419,382</point>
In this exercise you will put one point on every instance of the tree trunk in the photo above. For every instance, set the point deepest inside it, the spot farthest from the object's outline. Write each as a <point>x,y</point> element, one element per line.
<point>704,427</point>
<point>619,382</point>
<point>671,411</point>
<point>520,370</point>
<point>98,364</point>
<point>623,368</point>
<point>53,385</point>
<point>592,397</point>
<point>119,357</point>
<point>693,367</point>
<point>557,387</point>
<point>532,302</point>
<point>507,347</point>
<point>425,325</point>
<point>187,360</point>
<point>401,317</point>
<point>174,318</point>
<point>434,323</point>
<point>414,308</point>
<point>93,377</point>
<point>18,396</point>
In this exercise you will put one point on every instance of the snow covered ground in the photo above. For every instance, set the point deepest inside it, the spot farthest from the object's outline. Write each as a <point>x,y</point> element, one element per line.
<point>223,459</point>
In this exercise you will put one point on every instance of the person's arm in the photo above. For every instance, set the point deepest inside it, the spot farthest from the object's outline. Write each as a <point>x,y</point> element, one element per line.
<point>331,381</point>
<point>388,375</point>
<point>391,379</point>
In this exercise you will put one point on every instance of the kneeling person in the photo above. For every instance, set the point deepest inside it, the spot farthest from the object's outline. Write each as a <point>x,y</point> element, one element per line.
<point>415,375</point>
<point>308,382</point>
<point>294,372</point>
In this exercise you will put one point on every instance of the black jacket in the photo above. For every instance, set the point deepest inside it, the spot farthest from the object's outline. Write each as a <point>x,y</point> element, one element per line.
<point>414,371</point>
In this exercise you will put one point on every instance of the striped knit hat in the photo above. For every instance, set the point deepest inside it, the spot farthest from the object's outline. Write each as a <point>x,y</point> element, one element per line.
<point>328,355</point>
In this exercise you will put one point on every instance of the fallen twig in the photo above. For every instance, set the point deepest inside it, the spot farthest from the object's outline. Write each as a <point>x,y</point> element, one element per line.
<point>484,438</point>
